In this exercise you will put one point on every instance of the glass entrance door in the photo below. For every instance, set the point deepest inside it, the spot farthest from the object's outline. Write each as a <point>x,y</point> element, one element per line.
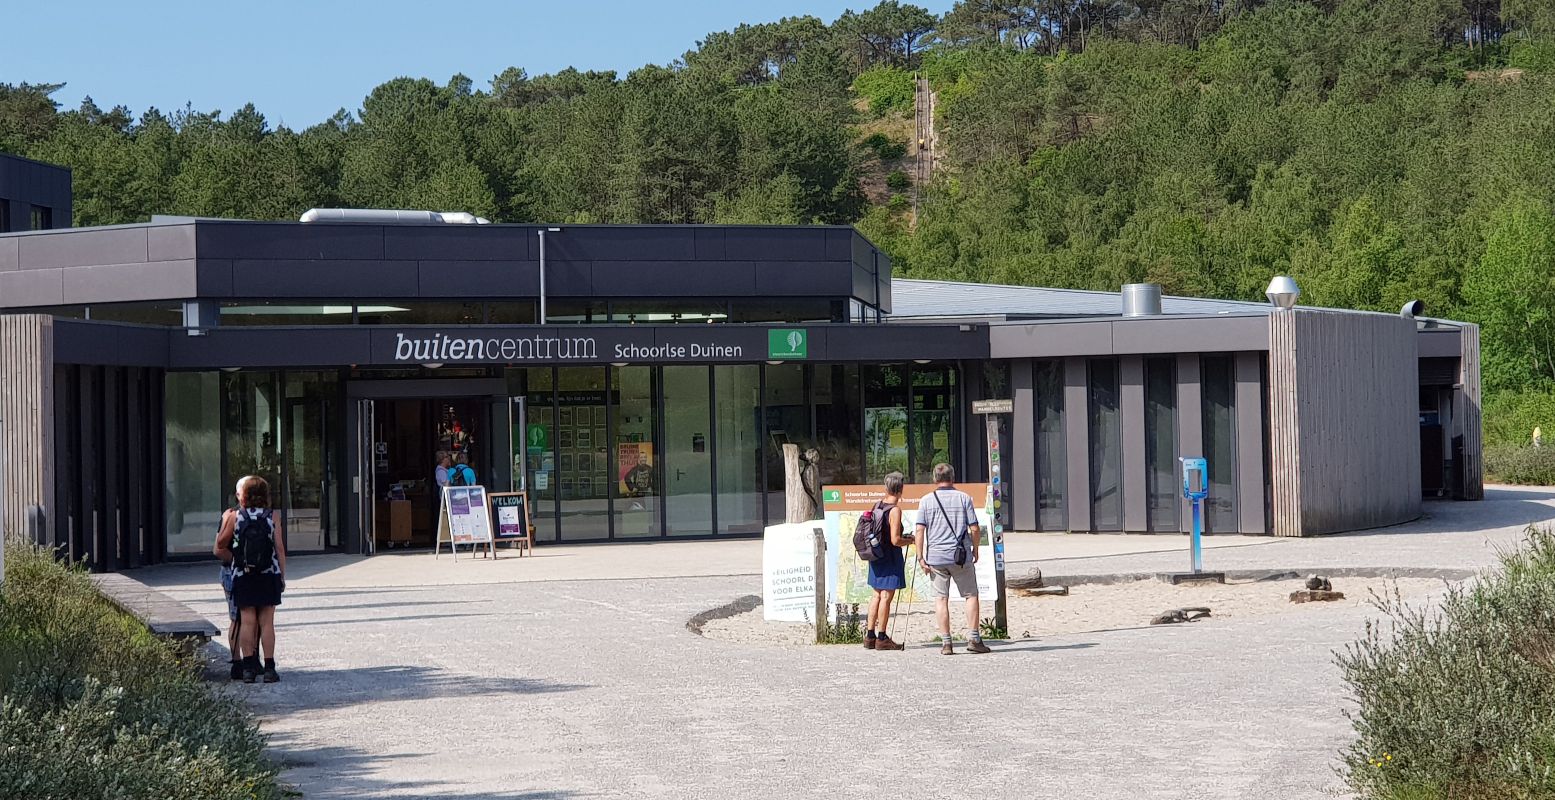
<point>688,464</point>
<point>310,489</point>
<point>364,482</point>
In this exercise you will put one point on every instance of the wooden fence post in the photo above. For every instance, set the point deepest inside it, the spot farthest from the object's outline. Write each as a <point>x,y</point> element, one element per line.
<point>820,583</point>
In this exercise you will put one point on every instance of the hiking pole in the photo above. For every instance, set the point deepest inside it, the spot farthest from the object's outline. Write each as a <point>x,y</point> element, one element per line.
<point>896,620</point>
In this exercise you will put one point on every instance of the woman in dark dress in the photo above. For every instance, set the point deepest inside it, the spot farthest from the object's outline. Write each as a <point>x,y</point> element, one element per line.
<point>256,590</point>
<point>888,573</point>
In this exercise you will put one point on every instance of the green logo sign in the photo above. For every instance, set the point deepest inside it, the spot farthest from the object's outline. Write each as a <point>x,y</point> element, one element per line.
<point>788,343</point>
<point>833,496</point>
<point>536,436</point>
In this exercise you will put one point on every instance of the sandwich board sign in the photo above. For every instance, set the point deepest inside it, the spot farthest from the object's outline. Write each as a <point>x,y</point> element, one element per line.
<point>465,519</point>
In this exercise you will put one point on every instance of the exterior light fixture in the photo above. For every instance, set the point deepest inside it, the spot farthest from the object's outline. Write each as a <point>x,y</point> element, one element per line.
<point>920,361</point>
<point>774,363</point>
<point>618,363</point>
<point>433,365</point>
<point>1283,292</point>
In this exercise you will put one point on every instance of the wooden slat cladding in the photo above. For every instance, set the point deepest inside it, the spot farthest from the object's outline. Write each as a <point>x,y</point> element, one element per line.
<point>1473,435</point>
<point>27,408</point>
<point>1344,421</point>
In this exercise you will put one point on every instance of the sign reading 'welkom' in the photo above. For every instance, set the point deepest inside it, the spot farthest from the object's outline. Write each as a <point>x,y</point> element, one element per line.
<point>627,344</point>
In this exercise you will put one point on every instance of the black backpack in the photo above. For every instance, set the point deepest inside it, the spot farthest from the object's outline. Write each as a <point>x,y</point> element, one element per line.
<point>253,547</point>
<point>871,532</point>
<point>456,476</point>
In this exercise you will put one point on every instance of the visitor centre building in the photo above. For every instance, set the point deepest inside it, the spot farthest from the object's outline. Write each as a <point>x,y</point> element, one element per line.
<point>639,383</point>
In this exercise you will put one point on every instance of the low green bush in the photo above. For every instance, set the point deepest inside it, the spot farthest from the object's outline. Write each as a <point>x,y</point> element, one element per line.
<point>1457,703</point>
<point>1510,417</point>
<point>93,705</point>
<point>1521,464</point>
<point>898,181</point>
<point>886,88</point>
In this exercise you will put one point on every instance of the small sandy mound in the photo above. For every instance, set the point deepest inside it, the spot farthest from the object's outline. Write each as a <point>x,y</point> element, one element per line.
<point>1099,607</point>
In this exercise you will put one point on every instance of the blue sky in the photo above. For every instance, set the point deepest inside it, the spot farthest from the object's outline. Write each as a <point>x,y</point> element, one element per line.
<point>299,62</point>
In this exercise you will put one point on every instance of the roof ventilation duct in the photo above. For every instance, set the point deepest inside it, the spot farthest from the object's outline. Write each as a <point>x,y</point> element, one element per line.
<point>390,216</point>
<point>1141,299</point>
<point>1283,292</point>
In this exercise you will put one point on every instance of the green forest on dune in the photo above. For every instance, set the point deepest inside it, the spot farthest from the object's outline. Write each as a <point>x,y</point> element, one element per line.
<point>1378,150</point>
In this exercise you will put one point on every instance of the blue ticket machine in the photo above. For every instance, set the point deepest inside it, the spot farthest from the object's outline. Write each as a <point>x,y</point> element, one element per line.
<point>1195,487</point>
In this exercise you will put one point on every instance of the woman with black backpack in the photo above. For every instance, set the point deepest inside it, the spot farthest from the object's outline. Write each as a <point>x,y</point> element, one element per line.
<point>888,573</point>
<point>252,542</point>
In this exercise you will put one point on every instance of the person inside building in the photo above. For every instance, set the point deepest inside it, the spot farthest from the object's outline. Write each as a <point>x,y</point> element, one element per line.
<point>888,573</point>
<point>948,534</point>
<point>445,465</point>
<point>251,540</point>
<point>462,473</point>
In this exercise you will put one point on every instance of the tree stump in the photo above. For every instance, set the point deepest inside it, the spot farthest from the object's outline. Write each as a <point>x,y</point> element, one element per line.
<point>1315,596</point>
<point>802,484</point>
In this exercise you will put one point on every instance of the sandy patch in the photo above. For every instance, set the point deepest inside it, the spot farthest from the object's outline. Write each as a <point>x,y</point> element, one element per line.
<point>1097,607</point>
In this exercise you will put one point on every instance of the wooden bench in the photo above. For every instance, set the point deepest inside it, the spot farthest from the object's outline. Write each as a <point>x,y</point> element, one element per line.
<point>162,615</point>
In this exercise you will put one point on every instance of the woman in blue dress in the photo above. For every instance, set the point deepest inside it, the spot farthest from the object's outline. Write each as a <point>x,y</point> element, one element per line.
<point>888,573</point>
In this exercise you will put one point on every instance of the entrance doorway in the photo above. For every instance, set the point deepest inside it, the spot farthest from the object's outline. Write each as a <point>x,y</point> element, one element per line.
<point>412,436</point>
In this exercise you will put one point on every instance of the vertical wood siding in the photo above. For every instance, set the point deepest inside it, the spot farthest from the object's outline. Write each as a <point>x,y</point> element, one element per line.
<point>1473,435</point>
<point>26,406</point>
<point>1344,421</point>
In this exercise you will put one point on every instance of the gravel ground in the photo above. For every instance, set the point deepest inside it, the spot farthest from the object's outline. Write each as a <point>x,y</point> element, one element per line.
<point>1096,607</point>
<point>397,687</point>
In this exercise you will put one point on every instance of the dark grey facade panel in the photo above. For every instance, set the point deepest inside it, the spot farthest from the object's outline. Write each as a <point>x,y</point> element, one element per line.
<point>463,243</point>
<point>803,279</point>
<point>491,279</point>
<point>255,278</point>
<point>107,343</point>
<point>214,277</point>
<point>1050,340</point>
<point>1432,342</point>
<point>25,183</point>
<point>566,278</point>
<point>839,243</point>
<point>1077,441</point>
<point>626,279</point>
<point>709,243</point>
<point>1190,419</point>
<point>1131,408</point>
<point>1250,443</point>
<point>1022,460</point>
<point>1190,335</point>
<point>288,241</point>
<point>775,244</point>
<point>271,347</point>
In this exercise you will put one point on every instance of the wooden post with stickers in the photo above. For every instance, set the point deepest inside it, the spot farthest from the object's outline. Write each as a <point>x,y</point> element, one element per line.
<point>994,500</point>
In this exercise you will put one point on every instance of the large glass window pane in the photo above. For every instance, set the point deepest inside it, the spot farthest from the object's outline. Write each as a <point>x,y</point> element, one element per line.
<point>788,421</point>
<point>1052,466</point>
<point>635,454</point>
<point>1106,446</point>
<point>252,424</point>
<point>885,421</point>
<point>1218,385</point>
<point>738,440</point>
<point>1161,485</point>
<point>167,314</point>
<point>392,312</point>
<point>312,426</point>
<point>558,312</point>
<point>933,420</point>
<point>688,460</point>
<point>518,313</point>
<point>837,420</point>
<point>538,385</point>
<point>582,453</point>
<point>668,312</point>
<point>194,488</point>
<point>789,310</point>
<point>286,312</point>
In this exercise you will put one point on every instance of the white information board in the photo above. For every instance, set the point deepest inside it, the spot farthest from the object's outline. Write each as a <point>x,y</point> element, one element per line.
<point>465,518</point>
<point>788,572</point>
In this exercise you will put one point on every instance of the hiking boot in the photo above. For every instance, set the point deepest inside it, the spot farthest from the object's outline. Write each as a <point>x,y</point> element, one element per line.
<point>977,646</point>
<point>271,676</point>
<point>249,674</point>
<point>885,643</point>
<point>869,644</point>
<point>237,670</point>
<point>947,649</point>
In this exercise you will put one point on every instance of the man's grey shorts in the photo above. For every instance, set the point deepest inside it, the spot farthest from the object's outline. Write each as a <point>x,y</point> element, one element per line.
<point>964,576</point>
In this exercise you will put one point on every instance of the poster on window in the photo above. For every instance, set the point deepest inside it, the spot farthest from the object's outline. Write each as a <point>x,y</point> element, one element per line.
<point>635,460</point>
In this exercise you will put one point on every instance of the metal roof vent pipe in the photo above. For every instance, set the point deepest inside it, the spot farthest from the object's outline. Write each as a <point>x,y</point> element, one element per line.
<point>1412,309</point>
<point>1141,299</point>
<point>1283,292</point>
<point>391,216</point>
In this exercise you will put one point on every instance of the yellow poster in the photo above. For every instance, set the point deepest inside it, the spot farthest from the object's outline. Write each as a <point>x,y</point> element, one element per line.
<point>897,437</point>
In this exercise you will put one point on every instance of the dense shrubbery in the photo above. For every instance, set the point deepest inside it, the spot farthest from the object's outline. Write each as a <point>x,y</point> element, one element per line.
<point>1457,705</point>
<point>1522,464</point>
<point>886,89</point>
<point>91,705</point>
